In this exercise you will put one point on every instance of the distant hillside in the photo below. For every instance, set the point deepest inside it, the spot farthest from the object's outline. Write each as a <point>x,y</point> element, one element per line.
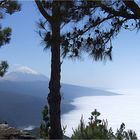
<point>23,110</point>
<point>24,93</point>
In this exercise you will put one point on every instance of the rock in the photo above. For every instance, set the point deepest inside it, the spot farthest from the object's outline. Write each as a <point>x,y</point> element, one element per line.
<point>7,132</point>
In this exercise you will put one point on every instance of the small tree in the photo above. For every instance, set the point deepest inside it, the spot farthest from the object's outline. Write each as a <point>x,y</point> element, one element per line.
<point>122,134</point>
<point>44,127</point>
<point>98,129</point>
<point>6,7</point>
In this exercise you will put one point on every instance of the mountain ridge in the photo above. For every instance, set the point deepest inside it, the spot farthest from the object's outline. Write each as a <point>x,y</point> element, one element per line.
<point>25,99</point>
<point>24,74</point>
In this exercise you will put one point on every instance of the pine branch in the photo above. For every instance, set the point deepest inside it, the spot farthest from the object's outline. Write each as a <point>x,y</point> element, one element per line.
<point>118,13</point>
<point>42,11</point>
<point>92,26</point>
<point>133,7</point>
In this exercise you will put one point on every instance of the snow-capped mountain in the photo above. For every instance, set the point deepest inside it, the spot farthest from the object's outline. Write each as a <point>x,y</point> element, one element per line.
<point>23,95</point>
<point>24,73</point>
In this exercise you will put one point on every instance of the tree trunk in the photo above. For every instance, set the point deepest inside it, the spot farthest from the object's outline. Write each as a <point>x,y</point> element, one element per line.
<point>54,97</point>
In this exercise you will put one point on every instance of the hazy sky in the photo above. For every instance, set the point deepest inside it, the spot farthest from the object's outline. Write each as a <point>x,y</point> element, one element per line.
<point>25,49</point>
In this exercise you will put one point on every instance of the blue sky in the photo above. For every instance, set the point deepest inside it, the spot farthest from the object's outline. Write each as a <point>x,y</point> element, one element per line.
<point>25,49</point>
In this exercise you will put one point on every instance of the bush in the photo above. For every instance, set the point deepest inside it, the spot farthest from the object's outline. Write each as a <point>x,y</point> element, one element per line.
<point>44,127</point>
<point>98,129</point>
<point>121,134</point>
<point>45,124</point>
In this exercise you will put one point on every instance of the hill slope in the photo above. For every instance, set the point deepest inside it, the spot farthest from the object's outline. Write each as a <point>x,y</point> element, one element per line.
<point>23,95</point>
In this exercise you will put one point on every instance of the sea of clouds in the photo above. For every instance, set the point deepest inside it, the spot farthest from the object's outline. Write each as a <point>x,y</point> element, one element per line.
<point>116,109</point>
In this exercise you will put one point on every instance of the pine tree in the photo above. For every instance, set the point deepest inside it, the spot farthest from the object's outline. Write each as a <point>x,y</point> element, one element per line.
<point>70,28</point>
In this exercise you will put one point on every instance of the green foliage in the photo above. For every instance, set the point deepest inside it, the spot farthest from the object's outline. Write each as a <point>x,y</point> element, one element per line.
<point>44,127</point>
<point>6,7</point>
<point>121,134</point>
<point>3,67</point>
<point>9,6</point>
<point>98,129</point>
<point>5,35</point>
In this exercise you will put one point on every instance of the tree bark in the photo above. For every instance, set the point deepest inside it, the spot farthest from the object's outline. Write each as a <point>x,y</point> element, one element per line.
<point>54,97</point>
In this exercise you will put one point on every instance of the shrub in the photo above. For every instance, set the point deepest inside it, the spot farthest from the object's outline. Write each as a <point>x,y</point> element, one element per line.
<point>44,127</point>
<point>98,129</point>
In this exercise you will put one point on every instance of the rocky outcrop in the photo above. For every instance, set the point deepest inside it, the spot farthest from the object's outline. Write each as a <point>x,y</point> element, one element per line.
<point>7,132</point>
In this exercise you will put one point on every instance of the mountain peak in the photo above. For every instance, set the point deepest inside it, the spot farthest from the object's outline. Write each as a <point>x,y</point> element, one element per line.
<point>24,73</point>
<point>25,69</point>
